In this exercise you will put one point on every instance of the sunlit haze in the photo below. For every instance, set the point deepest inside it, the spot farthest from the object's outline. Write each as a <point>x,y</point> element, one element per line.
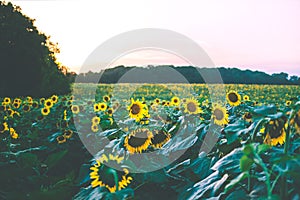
<point>251,34</point>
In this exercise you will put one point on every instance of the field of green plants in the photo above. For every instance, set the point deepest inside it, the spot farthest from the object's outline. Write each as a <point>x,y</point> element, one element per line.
<point>152,141</point>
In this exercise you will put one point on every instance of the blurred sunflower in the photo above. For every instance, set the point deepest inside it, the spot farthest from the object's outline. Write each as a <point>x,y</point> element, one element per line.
<point>68,134</point>
<point>29,99</point>
<point>102,106</point>
<point>157,101</point>
<point>54,98</point>
<point>104,176</point>
<point>16,105</point>
<point>246,98</point>
<point>220,115</point>
<point>61,139</point>
<point>3,127</point>
<point>45,111</point>
<point>191,106</point>
<point>296,122</point>
<point>288,103</point>
<point>138,140</point>
<point>106,98</point>
<point>247,117</point>
<point>13,133</point>
<point>175,101</point>
<point>35,104</point>
<point>274,131</point>
<point>110,111</point>
<point>96,120</point>
<point>26,108</point>
<point>160,138</point>
<point>137,110</point>
<point>94,128</point>
<point>42,100</point>
<point>233,98</point>
<point>48,103</point>
<point>96,107</point>
<point>75,109</point>
<point>6,100</point>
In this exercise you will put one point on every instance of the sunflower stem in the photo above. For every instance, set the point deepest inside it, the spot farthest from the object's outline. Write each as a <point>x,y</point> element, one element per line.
<point>260,162</point>
<point>258,125</point>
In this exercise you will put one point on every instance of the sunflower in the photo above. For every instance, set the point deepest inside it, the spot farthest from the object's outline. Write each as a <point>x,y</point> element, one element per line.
<point>247,117</point>
<point>138,140</point>
<point>110,111</point>
<point>13,133</point>
<point>75,109</point>
<point>96,107</point>
<point>16,105</point>
<point>275,131</point>
<point>94,128</point>
<point>102,106</point>
<point>157,101</point>
<point>17,100</point>
<point>48,103</point>
<point>35,104</point>
<point>160,138</point>
<point>219,115</point>
<point>191,106</point>
<point>42,100</point>
<point>29,99</point>
<point>175,101</point>
<point>54,98</point>
<point>26,108</point>
<point>246,98</point>
<point>288,103</point>
<point>106,98</point>
<point>68,134</point>
<point>61,139</point>
<point>96,120</point>
<point>233,98</point>
<point>296,122</point>
<point>137,110</point>
<point>45,111</point>
<point>6,100</point>
<point>4,127</point>
<point>104,176</point>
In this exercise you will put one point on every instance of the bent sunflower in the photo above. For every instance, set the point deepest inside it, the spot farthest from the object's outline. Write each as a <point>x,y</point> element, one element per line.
<point>138,140</point>
<point>275,131</point>
<point>160,138</point>
<point>104,176</point>
<point>233,98</point>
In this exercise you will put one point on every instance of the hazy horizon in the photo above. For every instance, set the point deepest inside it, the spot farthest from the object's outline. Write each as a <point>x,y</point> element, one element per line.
<point>254,35</point>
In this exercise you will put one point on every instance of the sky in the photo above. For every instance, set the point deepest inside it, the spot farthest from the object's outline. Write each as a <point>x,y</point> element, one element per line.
<point>248,34</point>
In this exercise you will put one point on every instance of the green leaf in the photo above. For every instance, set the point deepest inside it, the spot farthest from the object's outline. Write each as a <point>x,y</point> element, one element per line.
<point>248,150</point>
<point>235,181</point>
<point>262,148</point>
<point>245,163</point>
<point>53,159</point>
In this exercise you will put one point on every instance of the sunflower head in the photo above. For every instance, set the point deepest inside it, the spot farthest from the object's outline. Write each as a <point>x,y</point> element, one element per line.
<point>61,139</point>
<point>48,103</point>
<point>233,98</point>
<point>94,128</point>
<point>75,109</point>
<point>102,106</point>
<point>296,122</point>
<point>106,98</point>
<point>137,110</point>
<point>160,137</point>
<point>191,106</point>
<point>54,98</point>
<point>68,134</point>
<point>45,111</point>
<point>138,140</point>
<point>246,98</point>
<point>103,175</point>
<point>247,117</point>
<point>26,108</point>
<point>6,100</point>
<point>219,115</point>
<point>275,131</point>
<point>96,120</point>
<point>288,103</point>
<point>96,107</point>
<point>175,101</point>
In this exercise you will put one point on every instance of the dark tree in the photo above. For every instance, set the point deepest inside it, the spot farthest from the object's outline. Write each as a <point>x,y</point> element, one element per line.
<point>27,58</point>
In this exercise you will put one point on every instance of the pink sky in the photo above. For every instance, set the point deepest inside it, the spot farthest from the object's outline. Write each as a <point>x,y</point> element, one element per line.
<point>259,35</point>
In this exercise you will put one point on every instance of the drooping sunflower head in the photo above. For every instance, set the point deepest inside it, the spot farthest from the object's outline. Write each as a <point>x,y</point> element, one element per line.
<point>275,131</point>
<point>103,175</point>
<point>219,115</point>
<point>191,106</point>
<point>296,122</point>
<point>138,140</point>
<point>137,110</point>
<point>175,101</point>
<point>233,98</point>
<point>160,137</point>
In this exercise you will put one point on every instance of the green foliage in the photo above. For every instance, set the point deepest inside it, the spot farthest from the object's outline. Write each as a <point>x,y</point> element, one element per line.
<point>28,64</point>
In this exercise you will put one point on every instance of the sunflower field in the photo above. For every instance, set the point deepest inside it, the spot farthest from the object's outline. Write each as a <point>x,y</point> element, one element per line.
<point>152,141</point>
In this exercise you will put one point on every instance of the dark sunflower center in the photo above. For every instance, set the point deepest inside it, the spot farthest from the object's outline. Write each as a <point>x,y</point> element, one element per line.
<point>102,106</point>
<point>233,97</point>
<point>175,100</point>
<point>276,129</point>
<point>109,111</point>
<point>45,110</point>
<point>105,98</point>
<point>26,108</point>
<point>48,103</point>
<point>96,107</point>
<point>218,114</point>
<point>158,138</point>
<point>191,107</point>
<point>135,109</point>
<point>75,108</point>
<point>248,116</point>
<point>138,139</point>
